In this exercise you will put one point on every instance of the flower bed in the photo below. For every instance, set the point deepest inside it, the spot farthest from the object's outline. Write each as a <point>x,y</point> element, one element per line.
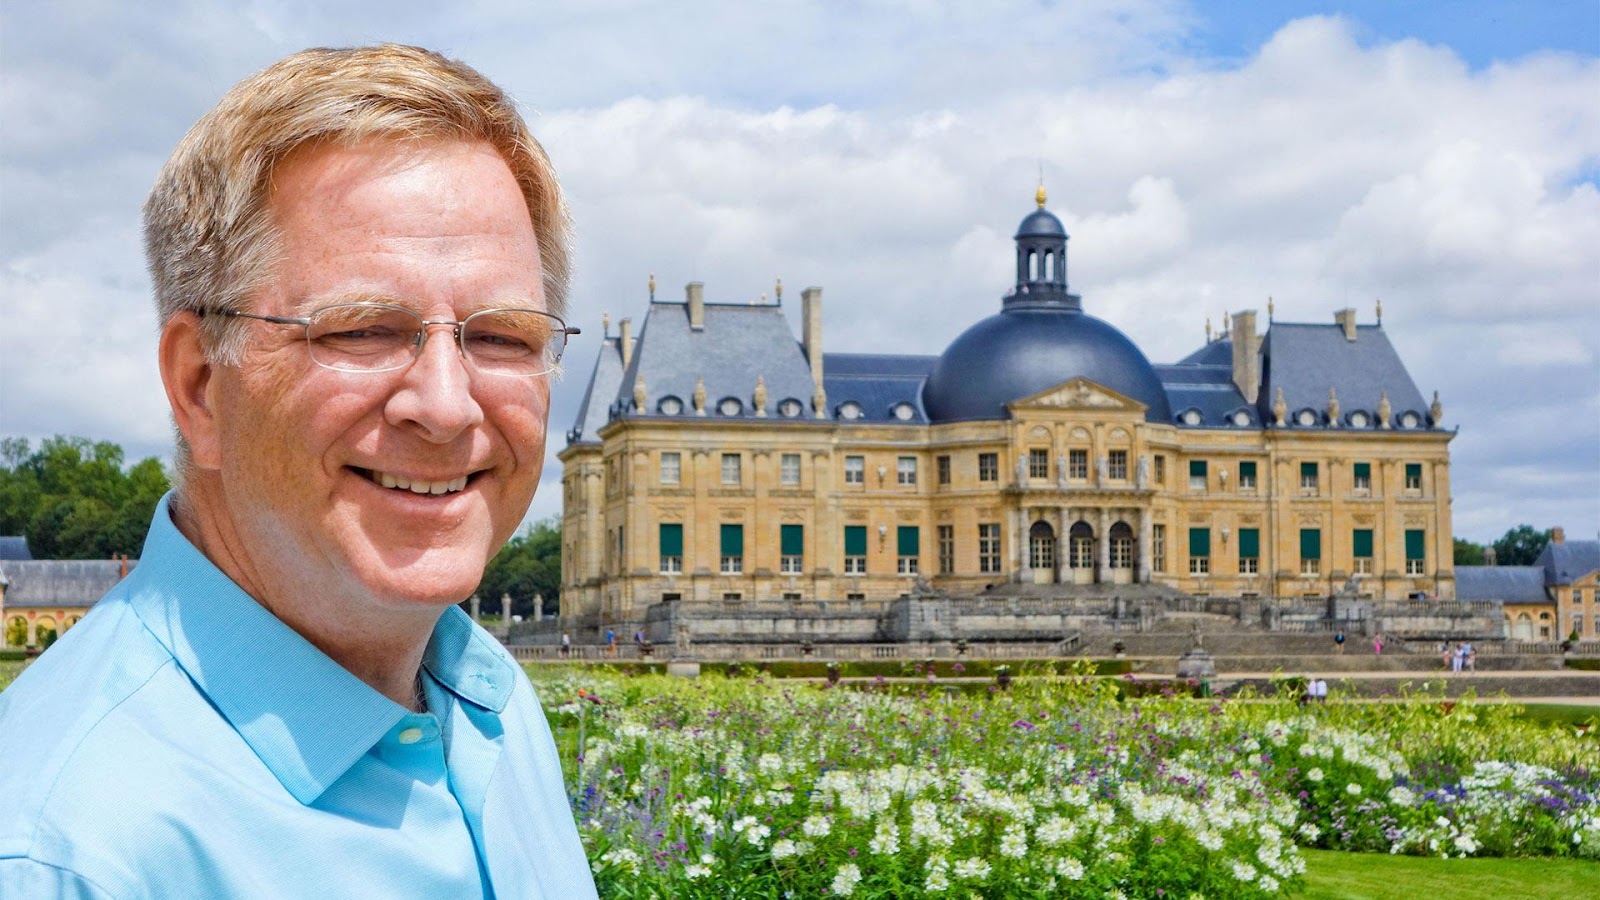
<point>752,788</point>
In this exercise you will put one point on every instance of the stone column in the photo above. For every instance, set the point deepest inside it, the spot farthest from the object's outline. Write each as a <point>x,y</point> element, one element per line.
<point>1063,545</point>
<point>1103,548</point>
<point>1146,542</point>
<point>1024,572</point>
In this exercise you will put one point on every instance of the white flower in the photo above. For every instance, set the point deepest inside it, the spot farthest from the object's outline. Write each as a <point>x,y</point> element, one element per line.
<point>971,869</point>
<point>1353,789</point>
<point>694,871</point>
<point>1070,869</point>
<point>1314,774</point>
<point>1401,796</point>
<point>1056,831</point>
<point>1268,884</point>
<point>886,842</point>
<point>784,849</point>
<point>816,826</point>
<point>1244,871</point>
<point>844,883</point>
<point>1014,843</point>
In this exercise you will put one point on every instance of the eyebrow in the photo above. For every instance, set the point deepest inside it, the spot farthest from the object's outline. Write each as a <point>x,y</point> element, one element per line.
<point>309,304</point>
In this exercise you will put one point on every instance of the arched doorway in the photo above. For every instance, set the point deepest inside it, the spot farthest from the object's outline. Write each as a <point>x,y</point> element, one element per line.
<point>44,632</point>
<point>1080,552</point>
<point>1121,537</point>
<point>16,631</point>
<point>1522,627</point>
<point>1042,552</point>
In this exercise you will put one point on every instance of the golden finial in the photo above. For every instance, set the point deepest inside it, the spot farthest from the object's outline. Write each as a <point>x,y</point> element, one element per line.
<point>1380,310</point>
<point>777,290</point>
<point>605,325</point>
<point>652,287</point>
<point>1039,195</point>
<point>1208,329</point>
<point>1269,307</point>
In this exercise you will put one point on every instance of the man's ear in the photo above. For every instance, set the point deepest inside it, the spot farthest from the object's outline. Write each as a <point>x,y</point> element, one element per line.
<point>186,374</point>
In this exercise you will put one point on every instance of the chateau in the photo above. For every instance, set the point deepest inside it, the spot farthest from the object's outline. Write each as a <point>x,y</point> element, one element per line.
<point>715,457</point>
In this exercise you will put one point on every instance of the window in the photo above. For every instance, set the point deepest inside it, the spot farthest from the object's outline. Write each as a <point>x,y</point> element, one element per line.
<point>944,469</point>
<point>989,547</point>
<point>855,549</point>
<point>732,596</point>
<point>1308,477</point>
<point>1249,551</point>
<point>1247,475</point>
<point>671,467</point>
<point>908,549</point>
<point>1039,463</point>
<point>855,596</point>
<point>988,467</point>
<point>947,549</point>
<point>1161,470</point>
<point>855,470</point>
<point>1158,547</point>
<point>1121,546</point>
<point>1416,552</point>
<point>792,546</point>
<point>1199,549</point>
<point>1361,478</point>
<point>1118,465</point>
<point>1414,478</point>
<point>905,470</point>
<point>1310,551</point>
<point>791,595</point>
<point>1078,463</point>
<point>1197,475</point>
<point>789,408</point>
<point>671,543</point>
<point>1080,546</point>
<point>1041,547</point>
<point>789,468</point>
<point>732,472</point>
<point>732,549</point>
<point>1361,550</point>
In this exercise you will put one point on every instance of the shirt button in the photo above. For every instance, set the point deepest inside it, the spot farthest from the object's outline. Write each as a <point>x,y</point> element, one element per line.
<point>410,735</point>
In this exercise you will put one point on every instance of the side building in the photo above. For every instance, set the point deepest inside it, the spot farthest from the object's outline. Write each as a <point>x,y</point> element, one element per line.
<point>717,458</point>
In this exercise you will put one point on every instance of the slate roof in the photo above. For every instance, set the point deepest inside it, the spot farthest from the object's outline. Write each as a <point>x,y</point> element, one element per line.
<point>878,382</point>
<point>14,547</point>
<point>1207,388</point>
<point>1306,360</point>
<point>601,393</point>
<point>1568,561</point>
<point>61,582</point>
<point>1512,584</point>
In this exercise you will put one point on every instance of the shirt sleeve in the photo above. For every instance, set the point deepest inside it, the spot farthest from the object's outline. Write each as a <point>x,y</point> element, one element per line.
<point>23,877</point>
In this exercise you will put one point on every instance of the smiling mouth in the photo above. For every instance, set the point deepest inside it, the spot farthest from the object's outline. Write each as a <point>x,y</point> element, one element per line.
<point>414,485</point>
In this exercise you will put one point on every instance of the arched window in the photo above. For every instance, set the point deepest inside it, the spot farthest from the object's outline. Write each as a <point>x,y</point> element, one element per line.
<point>1121,546</point>
<point>1080,545</point>
<point>1042,546</point>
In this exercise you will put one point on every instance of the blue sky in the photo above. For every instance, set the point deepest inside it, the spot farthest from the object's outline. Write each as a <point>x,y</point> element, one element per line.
<point>1203,156</point>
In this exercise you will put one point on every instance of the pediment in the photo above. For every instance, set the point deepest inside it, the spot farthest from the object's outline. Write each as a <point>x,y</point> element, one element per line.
<point>1079,393</point>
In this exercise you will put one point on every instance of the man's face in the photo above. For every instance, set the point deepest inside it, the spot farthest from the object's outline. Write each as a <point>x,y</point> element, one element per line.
<point>439,227</point>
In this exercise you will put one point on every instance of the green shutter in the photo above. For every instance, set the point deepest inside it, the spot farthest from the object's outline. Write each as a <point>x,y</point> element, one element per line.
<point>1308,470</point>
<point>1249,542</point>
<point>1310,543</point>
<point>1415,545</point>
<point>1197,468</point>
<point>1361,543</point>
<point>733,540</point>
<point>1363,471</point>
<point>855,540</point>
<point>792,540</point>
<point>1247,471</point>
<point>1199,540</point>
<point>908,540</point>
<point>1414,472</point>
<point>671,540</point>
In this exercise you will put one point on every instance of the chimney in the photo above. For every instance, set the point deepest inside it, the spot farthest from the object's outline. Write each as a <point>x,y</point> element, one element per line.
<point>625,329</point>
<point>697,305</point>
<point>1489,555</point>
<point>1558,535</point>
<point>811,331</point>
<point>1347,319</point>
<point>1246,355</point>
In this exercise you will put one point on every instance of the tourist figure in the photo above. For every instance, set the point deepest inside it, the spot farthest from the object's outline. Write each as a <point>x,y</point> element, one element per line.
<point>358,259</point>
<point>1471,658</point>
<point>1377,645</point>
<point>566,645</point>
<point>1444,653</point>
<point>611,642</point>
<point>1459,658</point>
<point>1338,642</point>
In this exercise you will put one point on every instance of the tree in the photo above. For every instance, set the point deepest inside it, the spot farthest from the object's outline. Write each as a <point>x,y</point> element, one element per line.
<point>1467,553</point>
<point>72,498</point>
<point>528,565</point>
<point>1520,546</point>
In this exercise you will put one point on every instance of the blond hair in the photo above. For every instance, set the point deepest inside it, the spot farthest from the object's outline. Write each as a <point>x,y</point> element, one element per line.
<point>209,237</point>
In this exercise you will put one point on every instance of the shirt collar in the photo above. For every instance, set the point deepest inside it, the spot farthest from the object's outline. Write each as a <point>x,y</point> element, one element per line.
<point>304,715</point>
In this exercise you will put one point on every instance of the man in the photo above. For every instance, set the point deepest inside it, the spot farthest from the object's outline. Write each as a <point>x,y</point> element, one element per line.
<point>360,261</point>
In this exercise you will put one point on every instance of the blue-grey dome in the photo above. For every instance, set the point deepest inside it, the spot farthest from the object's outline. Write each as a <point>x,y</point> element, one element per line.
<point>1041,223</point>
<point>1023,351</point>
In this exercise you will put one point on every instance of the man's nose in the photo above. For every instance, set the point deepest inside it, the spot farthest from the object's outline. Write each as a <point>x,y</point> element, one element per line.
<point>435,395</point>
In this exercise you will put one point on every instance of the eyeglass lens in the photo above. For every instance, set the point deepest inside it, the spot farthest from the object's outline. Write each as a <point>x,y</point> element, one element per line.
<point>375,338</point>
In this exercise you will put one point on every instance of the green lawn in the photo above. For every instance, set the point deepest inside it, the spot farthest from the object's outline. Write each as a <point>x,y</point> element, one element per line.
<point>1332,875</point>
<point>8,672</point>
<point>1560,714</point>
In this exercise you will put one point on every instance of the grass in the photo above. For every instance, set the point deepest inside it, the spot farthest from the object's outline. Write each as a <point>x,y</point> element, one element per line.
<point>1567,714</point>
<point>8,672</point>
<point>1331,875</point>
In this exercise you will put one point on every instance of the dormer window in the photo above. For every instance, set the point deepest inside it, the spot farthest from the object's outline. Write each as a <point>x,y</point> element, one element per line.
<point>1359,420</point>
<point>1191,417</point>
<point>669,406</point>
<point>903,411</point>
<point>789,408</point>
<point>1241,419</point>
<point>1305,418</point>
<point>729,406</point>
<point>850,410</point>
<point>1409,420</point>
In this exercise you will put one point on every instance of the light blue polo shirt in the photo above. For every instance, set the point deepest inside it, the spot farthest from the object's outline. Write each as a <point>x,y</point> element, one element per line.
<point>181,741</point>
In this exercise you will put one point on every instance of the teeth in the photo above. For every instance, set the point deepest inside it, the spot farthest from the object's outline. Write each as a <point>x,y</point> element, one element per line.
<point>419,487</point>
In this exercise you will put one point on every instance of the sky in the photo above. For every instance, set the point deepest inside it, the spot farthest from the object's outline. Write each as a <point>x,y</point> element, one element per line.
<point>1444,158</point>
